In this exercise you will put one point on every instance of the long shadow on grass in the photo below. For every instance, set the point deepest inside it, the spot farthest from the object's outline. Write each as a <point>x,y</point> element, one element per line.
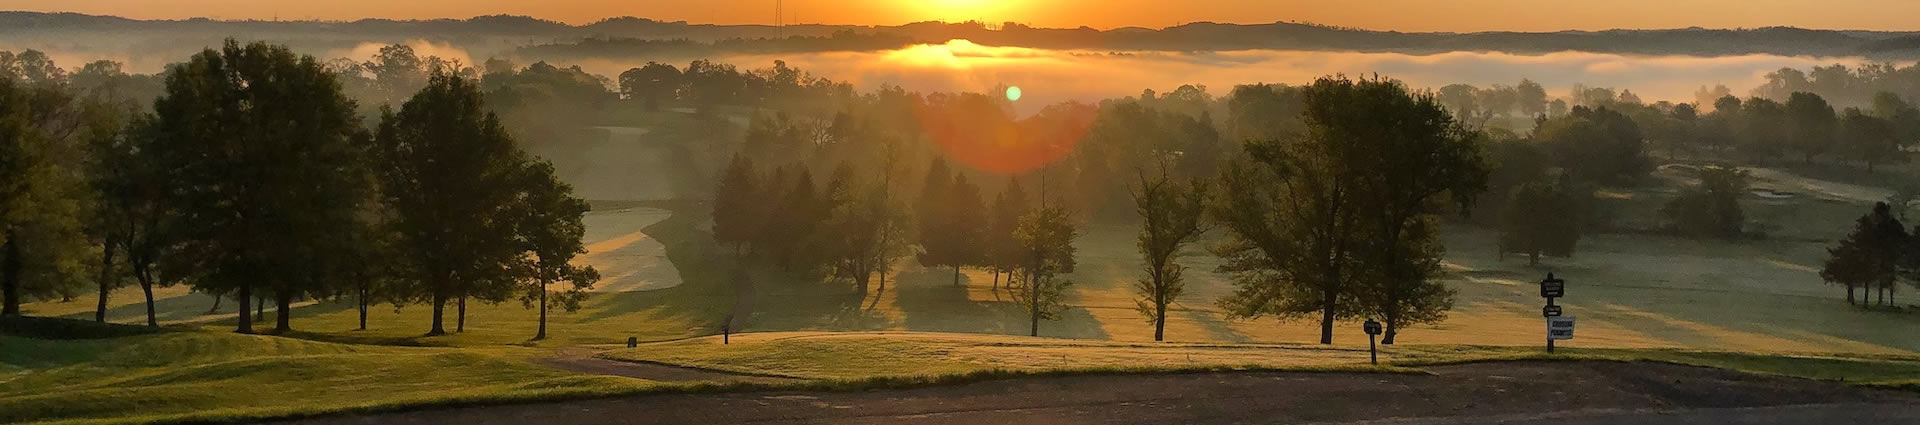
<point>167,309</point>
<point>930,302</point>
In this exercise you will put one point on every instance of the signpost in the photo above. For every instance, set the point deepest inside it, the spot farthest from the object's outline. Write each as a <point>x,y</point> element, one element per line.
<point>1373,328</point>
<point>1558,327</point>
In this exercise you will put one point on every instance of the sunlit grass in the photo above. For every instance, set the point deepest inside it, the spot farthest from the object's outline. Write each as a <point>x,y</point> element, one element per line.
<point>204,376</point>
<point>887,355</point>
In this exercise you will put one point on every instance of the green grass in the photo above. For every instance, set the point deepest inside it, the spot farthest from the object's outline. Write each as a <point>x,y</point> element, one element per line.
<point>204,376</point>
<point>882,356</point>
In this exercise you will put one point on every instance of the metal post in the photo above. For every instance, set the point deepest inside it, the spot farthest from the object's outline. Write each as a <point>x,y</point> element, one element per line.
<point>1373,353</point>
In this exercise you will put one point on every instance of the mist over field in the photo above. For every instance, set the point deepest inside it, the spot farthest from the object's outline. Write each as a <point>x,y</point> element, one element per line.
<point>1050,76</point>
<point>360,217</point>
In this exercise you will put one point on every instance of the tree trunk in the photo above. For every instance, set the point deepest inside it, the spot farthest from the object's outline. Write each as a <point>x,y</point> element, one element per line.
<point>1033,305</point>
<point>542,334</point>
<point>283,313</point>
<point>106,279</point>
<point>216,303</point>
<point>439,309</point>
<point>1393,320</point>
<point>1326,316</point>
<point>1160,320</point>
<point>996,280</point>
<point>1533,258</point>
<point>10,277</point>
<point>956,275</point>
<point>146,287</point>
<point>363,306</point>
<point>246,318</point>
<point>460,324</point>
<point>260,308</point>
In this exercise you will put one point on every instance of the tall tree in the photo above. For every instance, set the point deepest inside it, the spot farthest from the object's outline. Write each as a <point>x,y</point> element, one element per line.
<point>734,216</point>
<point>1711,208</point>
<point>1003,251</point>
<point>1810,125</point>
<point>952,223</point>
<point>650,84</point>
<point>265,159</point>
<point>1598,145</point>
<point>1871,254</point>
<point>1544,219</point>
<point>1303,216</point>
<point>1171,217</point>
<point>1420,157</point>
<point>453,183</point>
<point>1870,138</point>
<point>550,230</point>
<point>1046,239</point>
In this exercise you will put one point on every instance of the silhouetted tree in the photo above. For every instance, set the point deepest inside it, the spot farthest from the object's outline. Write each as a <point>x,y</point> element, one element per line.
<point>455,186</point>
<point>550,230</point>
<point>1300,214</point>
<point>1810,125</point>
<point>1871,254</point>
<point>1870,138</point>
<point>1711,208</point>
<point>1046,240</point>
<point>266,161</point>
<point>650,84</point>
<point>1003,251</point>
<point>735,220</point>
<point>1597,145</point>
<point>1544,219</point>
<point>1171,217</point>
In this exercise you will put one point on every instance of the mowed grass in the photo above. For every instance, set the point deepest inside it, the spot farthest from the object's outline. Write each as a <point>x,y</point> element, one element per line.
<point>192,376</point>
<point>635,245</point>
<point>902,355</point>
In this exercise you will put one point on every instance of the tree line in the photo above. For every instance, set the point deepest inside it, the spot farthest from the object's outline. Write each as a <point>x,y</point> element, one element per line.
<point>252,176</point>
<point>1338,224</point>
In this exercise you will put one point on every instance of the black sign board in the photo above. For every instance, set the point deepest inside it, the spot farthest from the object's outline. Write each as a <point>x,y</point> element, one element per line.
<point>1553,288</point>
<point>1550,311</point>
<point>1372,327</point>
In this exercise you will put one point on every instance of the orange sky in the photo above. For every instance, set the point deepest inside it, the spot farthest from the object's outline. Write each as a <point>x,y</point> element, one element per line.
<point>1405,15</point>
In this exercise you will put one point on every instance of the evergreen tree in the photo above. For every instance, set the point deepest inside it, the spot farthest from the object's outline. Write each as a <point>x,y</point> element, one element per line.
<point>1002,249</point>
<point>932,214</point>
<point>734,205</point>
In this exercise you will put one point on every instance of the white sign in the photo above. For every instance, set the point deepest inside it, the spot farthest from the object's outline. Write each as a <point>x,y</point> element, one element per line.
<point>1560,327</point>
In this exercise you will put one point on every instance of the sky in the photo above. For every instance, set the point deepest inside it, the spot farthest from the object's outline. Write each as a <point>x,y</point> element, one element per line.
<point>1401,15</point>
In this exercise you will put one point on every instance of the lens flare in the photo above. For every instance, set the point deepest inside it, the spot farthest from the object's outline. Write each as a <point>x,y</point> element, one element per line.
<point>1013,93</point>
<point>980,131</point>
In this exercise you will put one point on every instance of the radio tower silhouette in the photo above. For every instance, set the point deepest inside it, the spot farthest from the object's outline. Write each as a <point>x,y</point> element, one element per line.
<point>779,18</point>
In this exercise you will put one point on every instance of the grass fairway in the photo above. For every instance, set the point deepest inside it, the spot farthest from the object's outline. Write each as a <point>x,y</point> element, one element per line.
<point>204,376</point>
<point>896,355</point>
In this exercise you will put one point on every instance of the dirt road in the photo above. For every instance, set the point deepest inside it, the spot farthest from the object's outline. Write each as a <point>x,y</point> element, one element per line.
<point>1559,393</point>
